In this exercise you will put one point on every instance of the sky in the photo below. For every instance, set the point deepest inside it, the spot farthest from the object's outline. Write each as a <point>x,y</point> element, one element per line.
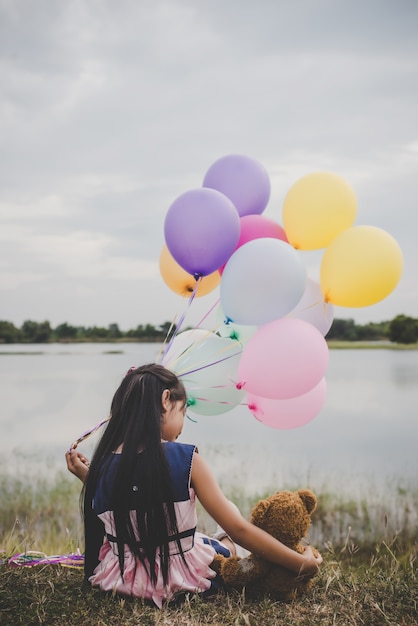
<point>111,110</point>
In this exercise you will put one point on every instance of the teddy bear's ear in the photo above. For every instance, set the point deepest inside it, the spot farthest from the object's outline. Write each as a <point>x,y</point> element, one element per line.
<point>259,511</point>
<point>309,499</point>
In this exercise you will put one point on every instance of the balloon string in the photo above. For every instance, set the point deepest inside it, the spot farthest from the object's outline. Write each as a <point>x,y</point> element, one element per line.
<point>29,559</point>
<point>167,342</point>
<point>172,325</point>
<point>202,367</point>
<point>190,347</point>
<point>88,433</point>
<point>213,401</point>
<point>232,384</point>
<point>306,308</point>
<point>208,312</point>
<point>193,345</point>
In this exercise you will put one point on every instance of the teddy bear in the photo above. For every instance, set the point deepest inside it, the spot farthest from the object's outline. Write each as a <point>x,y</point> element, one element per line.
<point>287,516</point>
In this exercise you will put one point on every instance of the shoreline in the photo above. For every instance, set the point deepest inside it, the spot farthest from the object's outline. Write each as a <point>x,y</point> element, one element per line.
<point>333,344</point>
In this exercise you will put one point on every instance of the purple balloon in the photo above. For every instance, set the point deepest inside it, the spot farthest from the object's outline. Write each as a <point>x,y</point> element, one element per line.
<point>244,180</point>
<point>202,229</point>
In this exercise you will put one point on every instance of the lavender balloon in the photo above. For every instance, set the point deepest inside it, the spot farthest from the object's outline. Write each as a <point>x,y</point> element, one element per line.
<point>244,180</point>
<point>201,229</point>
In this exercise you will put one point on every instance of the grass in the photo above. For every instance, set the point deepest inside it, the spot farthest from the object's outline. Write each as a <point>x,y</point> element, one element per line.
<point>372,589</point>
<point>335,344</point>
<point>369,574</point>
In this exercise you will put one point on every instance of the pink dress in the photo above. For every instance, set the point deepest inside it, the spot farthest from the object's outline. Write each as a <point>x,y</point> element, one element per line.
<point>198,549</point>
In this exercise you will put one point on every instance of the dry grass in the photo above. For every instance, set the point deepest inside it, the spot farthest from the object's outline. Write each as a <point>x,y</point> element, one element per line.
<point>371,589</point>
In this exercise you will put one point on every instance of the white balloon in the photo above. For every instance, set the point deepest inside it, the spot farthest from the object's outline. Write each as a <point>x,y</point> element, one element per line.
<point>208,367</point>
<point>262,281</point>
<point>313,309</point>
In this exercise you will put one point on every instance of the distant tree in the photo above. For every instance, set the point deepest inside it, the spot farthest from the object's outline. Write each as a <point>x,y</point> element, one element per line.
<point>36,332</point>
<point>9,333</point>
<point>137,332</point>
<point>65,331</point>
<point>150,331</point>
<point>114,332</point>
<point>96,332</point>
<point>403,329</point>
<point>372,332</point>
<point>147,332</point>
<point>344,330</point>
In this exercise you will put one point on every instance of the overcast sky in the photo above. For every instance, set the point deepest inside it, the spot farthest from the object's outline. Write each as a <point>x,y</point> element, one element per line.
<point>111,110</point>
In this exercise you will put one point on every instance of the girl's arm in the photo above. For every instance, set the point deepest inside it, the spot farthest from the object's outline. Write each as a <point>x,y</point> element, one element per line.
<point>77,464</point>
<point>243,532</point>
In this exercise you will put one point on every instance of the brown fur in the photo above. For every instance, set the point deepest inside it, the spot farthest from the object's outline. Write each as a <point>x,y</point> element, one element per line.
<point>287,516</point>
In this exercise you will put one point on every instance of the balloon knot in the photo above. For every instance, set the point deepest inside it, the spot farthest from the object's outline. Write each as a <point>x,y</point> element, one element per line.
<point>234,335</point>
<point>252,407</point>
<point>197,276</point>
<point>227,321</point>
<point>190,402</point>
<point>240,385</point>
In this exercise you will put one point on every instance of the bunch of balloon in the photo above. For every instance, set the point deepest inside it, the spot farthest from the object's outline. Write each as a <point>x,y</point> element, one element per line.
<point>270,343</point>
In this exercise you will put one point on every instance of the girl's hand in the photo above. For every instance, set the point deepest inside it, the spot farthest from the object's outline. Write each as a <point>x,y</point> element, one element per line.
<point>312,563</point>
<point>77,464</point>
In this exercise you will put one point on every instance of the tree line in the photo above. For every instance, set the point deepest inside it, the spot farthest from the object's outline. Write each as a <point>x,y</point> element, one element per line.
<point>401,329</point>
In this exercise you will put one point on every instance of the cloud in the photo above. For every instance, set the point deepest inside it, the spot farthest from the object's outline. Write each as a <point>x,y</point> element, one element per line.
<point>108,112</point>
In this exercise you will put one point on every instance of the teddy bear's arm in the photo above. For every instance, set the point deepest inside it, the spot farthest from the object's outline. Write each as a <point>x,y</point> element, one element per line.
<point>236,571</point>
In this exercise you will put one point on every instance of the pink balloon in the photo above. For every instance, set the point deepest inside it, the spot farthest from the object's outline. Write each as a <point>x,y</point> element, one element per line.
<point>289,412</point>
<point>244,180</point>
<point>258,227</point>
<point>284,359</point>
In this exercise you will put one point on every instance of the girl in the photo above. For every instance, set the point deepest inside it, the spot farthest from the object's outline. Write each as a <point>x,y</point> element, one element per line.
<point>139,500</point>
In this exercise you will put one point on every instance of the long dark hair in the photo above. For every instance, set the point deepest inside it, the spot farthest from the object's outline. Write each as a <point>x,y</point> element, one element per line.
<point>135,424</point>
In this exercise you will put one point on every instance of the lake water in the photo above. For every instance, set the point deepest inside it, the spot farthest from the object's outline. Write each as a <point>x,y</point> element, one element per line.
<point>366,433</point>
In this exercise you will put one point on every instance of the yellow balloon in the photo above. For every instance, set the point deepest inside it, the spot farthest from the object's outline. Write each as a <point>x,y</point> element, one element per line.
<point>182,282</point>
<point>360,267</point>
<point>316,209</point>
